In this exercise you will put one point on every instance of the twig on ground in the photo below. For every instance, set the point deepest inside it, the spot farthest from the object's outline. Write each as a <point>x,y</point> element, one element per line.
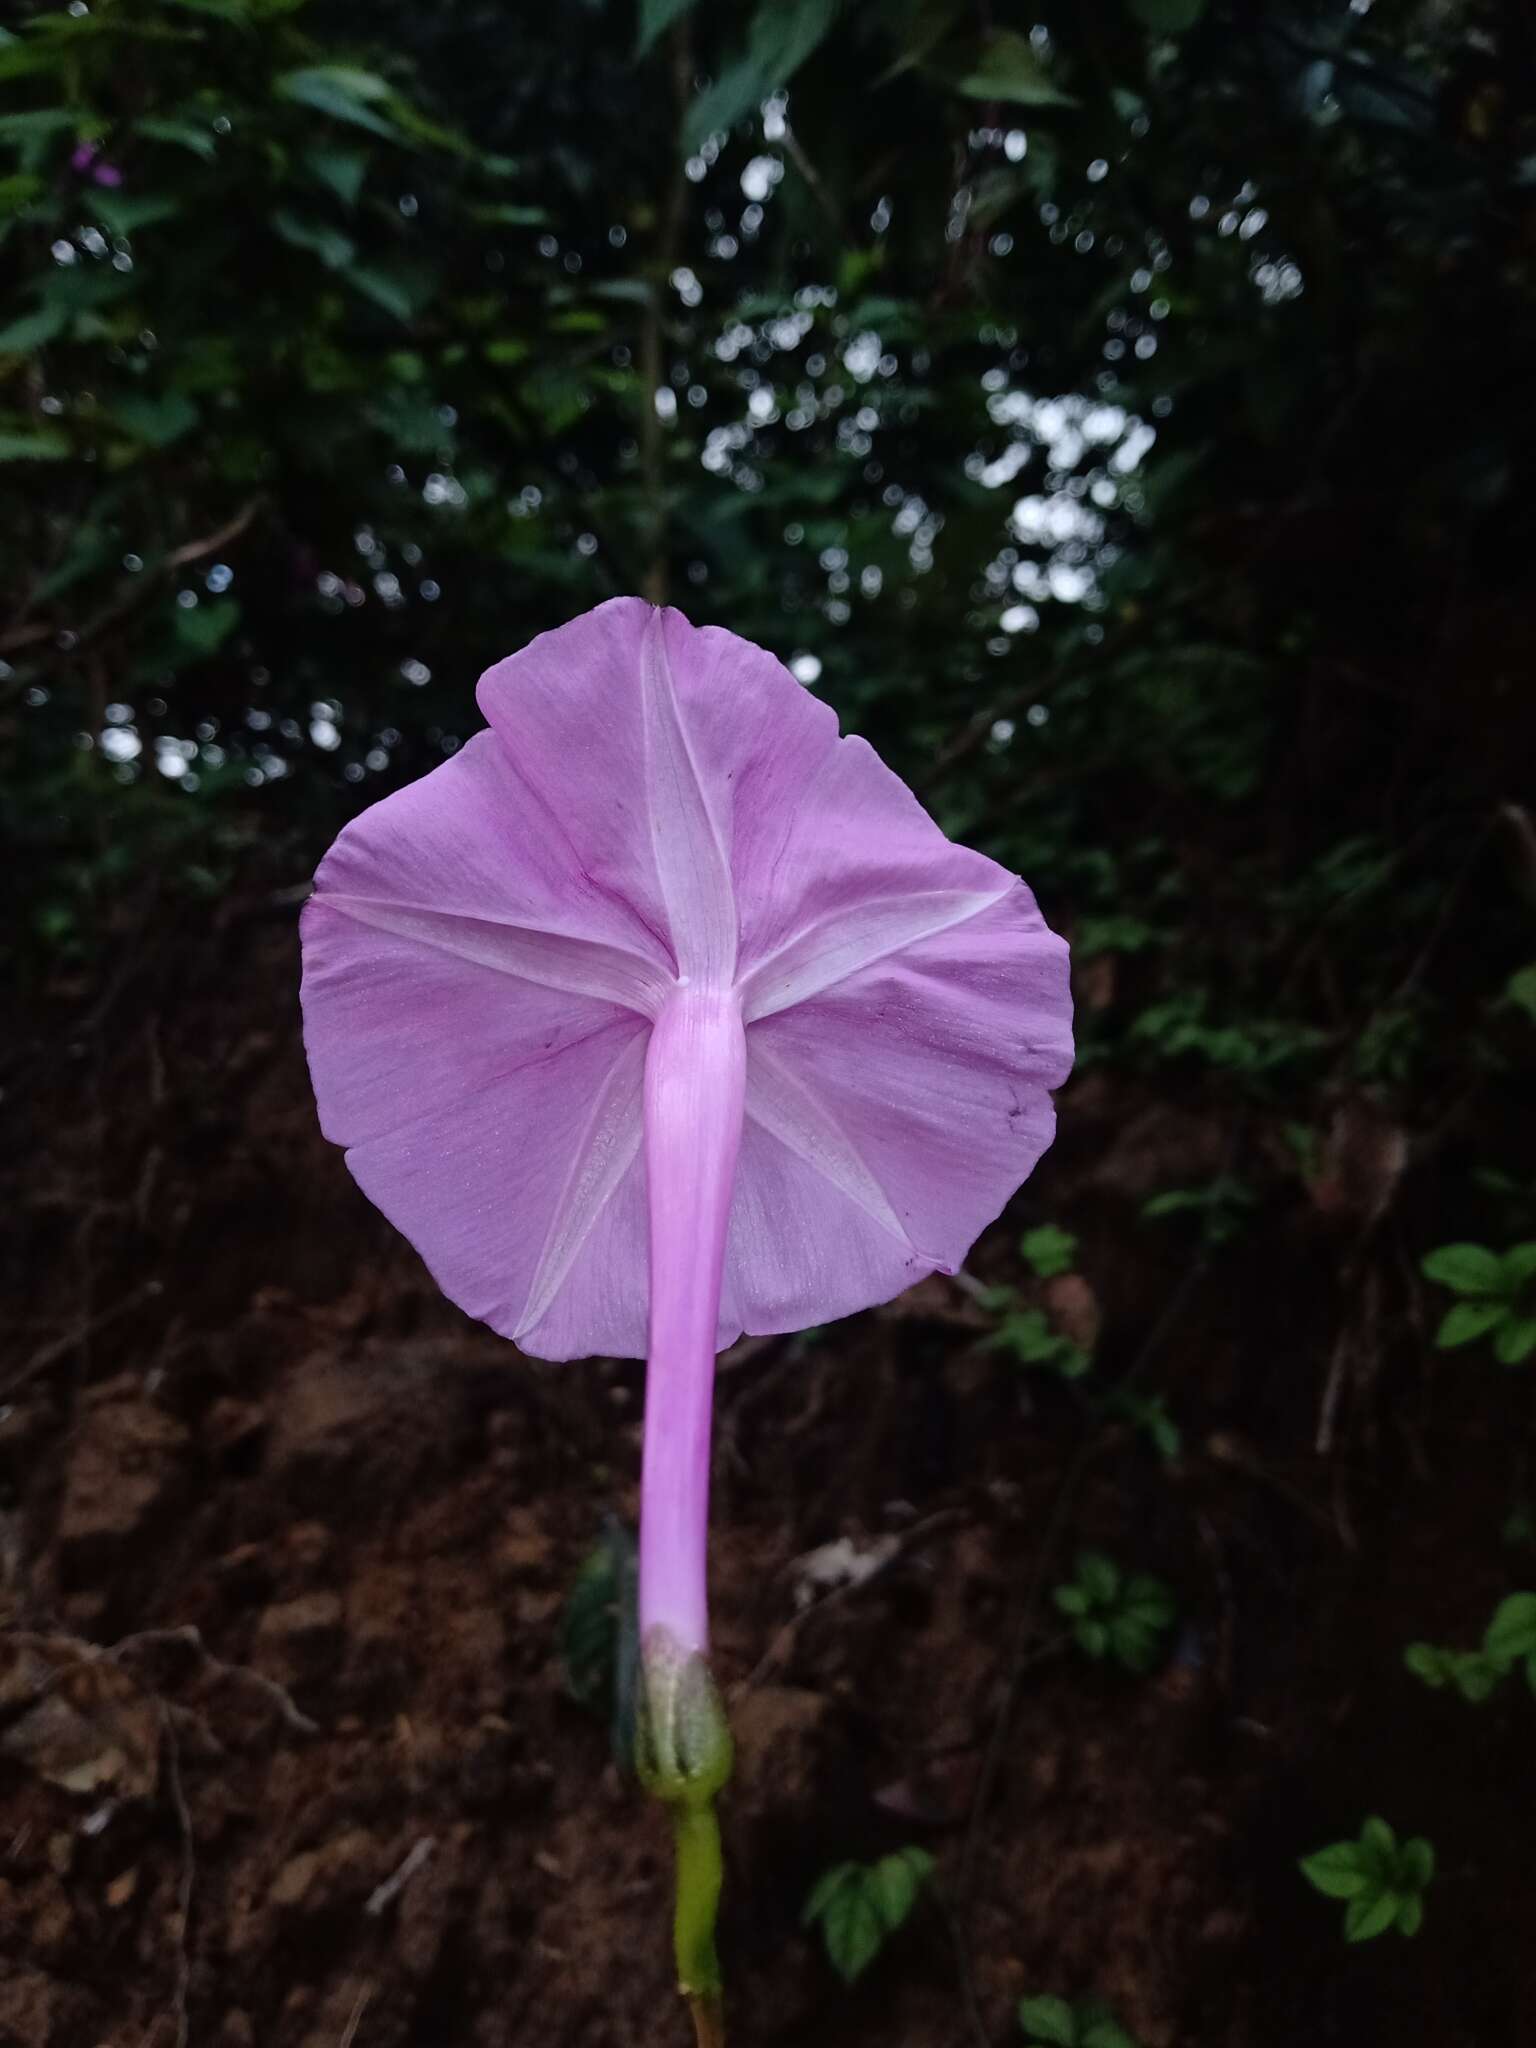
<point>59,1348</point>
<point>383,1896</point>
<point>190,1638</point>
<point>359,2007</point>
<point>187,1877</point>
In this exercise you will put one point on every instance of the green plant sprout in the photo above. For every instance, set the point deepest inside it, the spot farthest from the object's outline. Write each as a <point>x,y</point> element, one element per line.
<point>861,1905</point>
<point>1148,1414</point>
<point>1498,1301</point>
<point>1049,1251</point>
<point>1220,1207</point>
<point>1084,2023</point>
<point>1508,1640</point>
<point>1124,1618</point>
<point>1382,1881</point>
<point>1026,1335</point>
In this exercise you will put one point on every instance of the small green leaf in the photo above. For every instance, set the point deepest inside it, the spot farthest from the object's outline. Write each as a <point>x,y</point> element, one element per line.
<point>1049,1250</point>
<point>657,16</point>
<point>157,420</point>
<point>47,445</point>
<point>341,171</point>
<point>1049,2020</point>
<point>1335,1871</point>
<point>1368,1916</point>
<point>1071,1599</point>
<point>181,134</point>
<point>895,1882</point>
<point>400,292</point>
<point>1100,1575</point>
<point>32,330</point>
<point>1511,1634</point>
<point>852,1929</point>
<point>826,1886</point>
<point>1465,1268</point>
<point>1417,1862</point>
<point>1410,1915</point>
<point>1010,68</point>
<point>122,214</point>
<point>334,249</point>
<point>1378,1842</point>
<point>1466,1321</point>
<point>1106,2033</point>
<point>1515,1340</point>
<point>1520,991</point>
<point>1427,1663</point>
<point>1093,1637</point>
<point>343,92</point>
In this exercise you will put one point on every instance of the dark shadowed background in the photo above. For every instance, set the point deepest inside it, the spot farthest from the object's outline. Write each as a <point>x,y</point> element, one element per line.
<point>1123,415</point>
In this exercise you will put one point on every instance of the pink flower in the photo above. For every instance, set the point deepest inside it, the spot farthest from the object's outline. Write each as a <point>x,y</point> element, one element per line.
<point>660,1013</point>
<point>84,158</point>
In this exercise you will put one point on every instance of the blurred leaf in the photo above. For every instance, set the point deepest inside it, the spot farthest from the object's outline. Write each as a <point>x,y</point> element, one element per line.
<point>1468,1268</point>
<point>47,445</point>
<point>181,134</point>
<point>782,35</point>
<point>1049,2021</point>
<point>1468,1321</point>
<point>343,92</point>
<point>32,330</point>
<point>1336,1871</point>
<point>341,170</point>
<point>122,214</point>
<point>657,16</point>
<point>157,420</point>
<point>334,249</point>
<point>1008,67</point>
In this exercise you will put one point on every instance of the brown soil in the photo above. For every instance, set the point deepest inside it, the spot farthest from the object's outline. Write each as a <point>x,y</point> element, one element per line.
<point>234,1404</point>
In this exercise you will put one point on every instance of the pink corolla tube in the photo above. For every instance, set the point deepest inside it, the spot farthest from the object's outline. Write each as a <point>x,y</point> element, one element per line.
<point>658,1014</point>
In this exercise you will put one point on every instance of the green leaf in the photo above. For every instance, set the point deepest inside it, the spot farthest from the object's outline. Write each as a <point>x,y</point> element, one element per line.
<point>1093,1637</point>
<point>18,191</point>
<point>1427,1663</point>
<point>334,249</point>
<point>851,1928</point>
<point>32,331</point>
<point>1520,991</point>
<point>1366,1917</point>
<point>1010,68</point>
<point>783,34</point>
<point>1467,1321</point>
<point>202,629</point>
<point>1048,2020</point>
<point>182,135</point>
<point>1511,1634</point>
<point>1100,1575</point>
<point>1518,1265</point>
<point>895,1882</point>
<point>1168,17</point>
<point>825,1888</point>
<point>656,16</point>
<point>121,214</point>
<point>589,1630</point>
<point>1515,1340</point>
<point>1474,1676</point>
<point>47,445</point>
<point>341,171</point>
<point>341,91</point>
<point>157,420</point>
<point>1336,1871</point>
<point>399,291</point>
<point>1048,1250</point>
<point>1071,1599</point>
<point>1465,1268</point>
<point>1417,1862</point>
<point>1105,2032</point>
<point>1378,1843</point>
<point>1410,1915</point>
<point>26,127</point>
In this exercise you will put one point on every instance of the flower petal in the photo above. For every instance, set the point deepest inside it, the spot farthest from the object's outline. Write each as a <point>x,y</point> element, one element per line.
<point>935,1065</point>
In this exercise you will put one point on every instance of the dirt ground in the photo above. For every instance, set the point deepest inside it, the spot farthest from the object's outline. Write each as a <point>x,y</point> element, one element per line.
<point>359,1808</point>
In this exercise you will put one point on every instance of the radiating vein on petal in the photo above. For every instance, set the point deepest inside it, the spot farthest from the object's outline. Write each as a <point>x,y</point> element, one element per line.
<point>791,1111</point>
<point>830,950</point>
<point>577,966</point>
<point>605,1154</point>
<point>691,861</point>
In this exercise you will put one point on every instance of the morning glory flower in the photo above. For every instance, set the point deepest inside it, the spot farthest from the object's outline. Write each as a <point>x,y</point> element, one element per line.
<point>658,1014</point>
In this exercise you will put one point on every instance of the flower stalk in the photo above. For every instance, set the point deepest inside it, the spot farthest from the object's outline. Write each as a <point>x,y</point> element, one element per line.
<point>695,1082</point>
